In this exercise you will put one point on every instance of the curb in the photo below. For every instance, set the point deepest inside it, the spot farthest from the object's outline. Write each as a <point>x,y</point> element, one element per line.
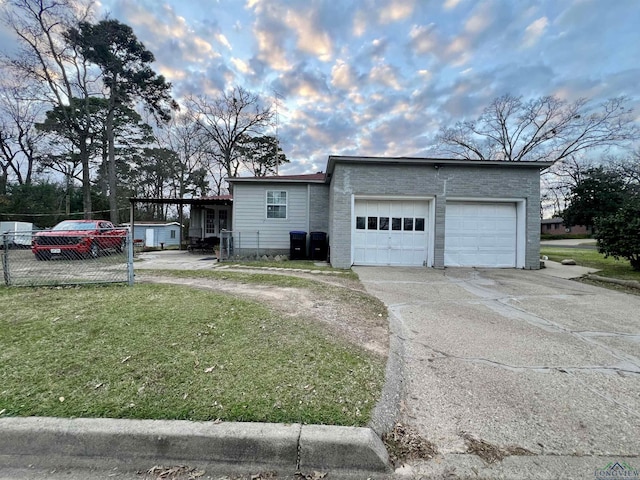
<point>45,442</point>
<point>616,281</point>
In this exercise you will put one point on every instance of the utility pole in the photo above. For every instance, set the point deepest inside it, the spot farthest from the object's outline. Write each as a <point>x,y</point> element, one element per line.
<point>276,96</point>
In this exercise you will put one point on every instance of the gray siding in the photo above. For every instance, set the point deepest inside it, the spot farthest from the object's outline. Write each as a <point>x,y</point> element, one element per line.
<point>456,181</point>
<point>253,232</point>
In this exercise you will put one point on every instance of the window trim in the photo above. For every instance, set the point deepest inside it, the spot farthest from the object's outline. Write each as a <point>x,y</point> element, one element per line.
<point>285,205</point>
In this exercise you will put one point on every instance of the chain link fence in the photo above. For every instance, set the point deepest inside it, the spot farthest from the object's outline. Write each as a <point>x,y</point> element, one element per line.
<point>49,258</point>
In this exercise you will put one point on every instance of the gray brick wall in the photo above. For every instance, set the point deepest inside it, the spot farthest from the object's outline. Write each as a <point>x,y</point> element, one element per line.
<point>318,208</point>
<point>448,181</point>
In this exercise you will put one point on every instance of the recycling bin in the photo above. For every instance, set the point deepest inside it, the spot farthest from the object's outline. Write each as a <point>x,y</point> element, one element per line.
<point>297,245</point>
<point>318,246</point>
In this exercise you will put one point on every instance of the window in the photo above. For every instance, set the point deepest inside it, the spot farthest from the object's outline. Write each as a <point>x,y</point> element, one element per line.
<point>408,225</point>
<point>222,218</point>
<point>419,224</point>
<point>384,223</point>
<point>173,234</point>
<point>396,224</point>
<point>276,204</point>
<point>210,223</point>
<point>360,223</point>
<point>372,223</point>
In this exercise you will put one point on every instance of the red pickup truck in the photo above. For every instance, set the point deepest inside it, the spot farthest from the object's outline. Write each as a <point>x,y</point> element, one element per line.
<point>78,238</point>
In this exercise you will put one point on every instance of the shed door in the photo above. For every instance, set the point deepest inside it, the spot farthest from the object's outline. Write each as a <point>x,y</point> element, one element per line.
<point>390,232</point>
<point>480,234</point>
<point>149,237</point>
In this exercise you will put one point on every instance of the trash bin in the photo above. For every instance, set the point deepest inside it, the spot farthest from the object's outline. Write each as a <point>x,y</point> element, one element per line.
<point>318,246</point>
<point>297,245</point>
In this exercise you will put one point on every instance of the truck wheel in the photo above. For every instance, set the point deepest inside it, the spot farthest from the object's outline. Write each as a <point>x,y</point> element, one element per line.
<point>94,250</point>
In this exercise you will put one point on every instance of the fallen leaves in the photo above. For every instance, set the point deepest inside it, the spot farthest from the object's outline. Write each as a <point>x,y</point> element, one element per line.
<point>310,476</point>
<point>405,443</point>
<point>161,472</point>
<point>488,452</point>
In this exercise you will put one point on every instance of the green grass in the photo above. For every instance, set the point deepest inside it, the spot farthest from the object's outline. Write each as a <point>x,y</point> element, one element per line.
<point>171,352</point>
<point>609,267</point>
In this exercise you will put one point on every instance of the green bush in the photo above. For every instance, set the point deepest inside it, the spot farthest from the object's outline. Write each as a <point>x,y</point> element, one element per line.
<point>619,234</point>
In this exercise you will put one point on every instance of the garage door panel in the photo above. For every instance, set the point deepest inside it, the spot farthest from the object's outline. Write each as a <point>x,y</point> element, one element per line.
<point>480,234</point>
<point>392,238</point>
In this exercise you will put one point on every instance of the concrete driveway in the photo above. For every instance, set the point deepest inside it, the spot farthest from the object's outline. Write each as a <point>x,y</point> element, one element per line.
<point>516,358</point>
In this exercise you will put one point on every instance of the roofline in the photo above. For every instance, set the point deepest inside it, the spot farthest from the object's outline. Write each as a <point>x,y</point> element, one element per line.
<point>436,162</point>
<point>182,201</point>
<point>273,180</point>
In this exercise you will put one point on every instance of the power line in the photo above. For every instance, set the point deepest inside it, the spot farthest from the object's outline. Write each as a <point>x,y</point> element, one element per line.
<point>54,214</point>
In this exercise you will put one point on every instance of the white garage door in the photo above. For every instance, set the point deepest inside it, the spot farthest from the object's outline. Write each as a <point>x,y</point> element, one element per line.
<point>480,234</point>
<point>391,232</point>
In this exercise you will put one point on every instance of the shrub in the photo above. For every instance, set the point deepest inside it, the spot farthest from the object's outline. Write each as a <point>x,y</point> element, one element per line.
<point>619,234</point>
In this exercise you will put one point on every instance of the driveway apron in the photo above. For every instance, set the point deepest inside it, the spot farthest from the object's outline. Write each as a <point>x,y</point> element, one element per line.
<point>516,359</point>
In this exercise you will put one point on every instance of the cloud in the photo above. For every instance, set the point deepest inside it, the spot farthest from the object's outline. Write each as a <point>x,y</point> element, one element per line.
<point>310,39</point>
<point>534,31</point>
<point>450,4</point>
<point>241,66</point>
<point>342,75</point>
<point>385,76</point>
<point>396,10</point>
<point>423,38</point>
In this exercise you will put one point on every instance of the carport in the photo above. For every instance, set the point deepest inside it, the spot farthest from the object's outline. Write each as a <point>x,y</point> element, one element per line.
<point>180,202</point>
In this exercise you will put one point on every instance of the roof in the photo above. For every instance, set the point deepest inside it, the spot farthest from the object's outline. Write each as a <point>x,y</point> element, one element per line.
<point>552,220</point>
<point>319,177</point>
<point>153,224</point>
<point>217,200</point>
<point>436,162</point>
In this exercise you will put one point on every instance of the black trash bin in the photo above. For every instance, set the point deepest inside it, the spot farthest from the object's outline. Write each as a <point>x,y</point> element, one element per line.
<point>318,246</point>
<point>297,245</point>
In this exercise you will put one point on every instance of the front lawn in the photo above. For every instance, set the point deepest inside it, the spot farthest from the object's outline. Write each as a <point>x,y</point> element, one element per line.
<point>174,352</point>
<point>591,258</point>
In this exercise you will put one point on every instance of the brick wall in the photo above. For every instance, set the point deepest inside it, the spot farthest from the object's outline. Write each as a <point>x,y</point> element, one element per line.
<point>448,181</point>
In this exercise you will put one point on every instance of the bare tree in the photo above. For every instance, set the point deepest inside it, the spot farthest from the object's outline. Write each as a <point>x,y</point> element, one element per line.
<point>228,118</point>
<point>184,137</point>
<point>48,61</point>
<point>543,129</point>
<point>18,136</point>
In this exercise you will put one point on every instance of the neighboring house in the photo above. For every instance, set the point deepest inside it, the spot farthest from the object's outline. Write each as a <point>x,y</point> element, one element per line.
<point>398,211</point>
<point>153,234</point>
<point>556,226</point>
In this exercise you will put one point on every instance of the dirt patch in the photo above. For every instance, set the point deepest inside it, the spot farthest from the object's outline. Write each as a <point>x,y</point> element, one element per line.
<point>339,304</point>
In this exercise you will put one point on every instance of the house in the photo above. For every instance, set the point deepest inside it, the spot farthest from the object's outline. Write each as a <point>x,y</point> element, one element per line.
<point>153,234</point>
<point>556,226</point>
<point>398,211</point>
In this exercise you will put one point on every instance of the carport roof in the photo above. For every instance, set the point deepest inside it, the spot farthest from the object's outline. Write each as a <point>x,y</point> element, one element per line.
<point>218,200</point>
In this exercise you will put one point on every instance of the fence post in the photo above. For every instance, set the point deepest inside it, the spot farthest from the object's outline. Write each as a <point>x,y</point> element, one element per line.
<point>130,273</point>
<point>5,259</point>
<point>258,244</point>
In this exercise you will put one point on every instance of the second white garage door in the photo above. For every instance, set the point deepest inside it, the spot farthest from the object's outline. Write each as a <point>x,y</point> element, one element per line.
<point>480,234</point>
<point>390,232</point>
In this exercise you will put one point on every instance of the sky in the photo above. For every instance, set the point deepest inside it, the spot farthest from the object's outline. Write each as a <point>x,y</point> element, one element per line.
<point>381,77</point>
